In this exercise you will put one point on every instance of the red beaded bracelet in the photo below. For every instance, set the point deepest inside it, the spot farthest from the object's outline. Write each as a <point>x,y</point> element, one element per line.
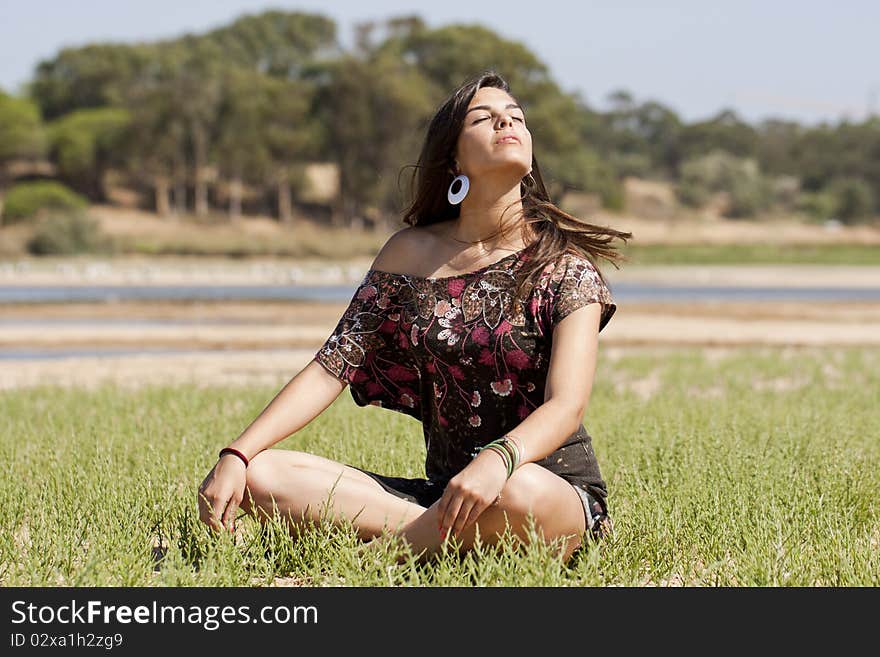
<point>231,450</point>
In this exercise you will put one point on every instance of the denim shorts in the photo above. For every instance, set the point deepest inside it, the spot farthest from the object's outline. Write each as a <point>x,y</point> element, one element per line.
<point>424,493</point>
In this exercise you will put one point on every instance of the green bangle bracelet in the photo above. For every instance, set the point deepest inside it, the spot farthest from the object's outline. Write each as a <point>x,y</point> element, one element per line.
<point>509,451</point>
<point>504,457</point>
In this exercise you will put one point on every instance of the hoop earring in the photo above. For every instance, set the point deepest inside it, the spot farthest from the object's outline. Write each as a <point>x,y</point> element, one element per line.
<point>455,198</point>
<point>529,176</point>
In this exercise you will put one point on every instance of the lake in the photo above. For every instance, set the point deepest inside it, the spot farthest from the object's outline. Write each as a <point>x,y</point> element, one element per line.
<point>622,292</point>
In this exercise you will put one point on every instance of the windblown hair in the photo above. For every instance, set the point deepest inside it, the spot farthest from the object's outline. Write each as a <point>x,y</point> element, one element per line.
<point>556,231</point>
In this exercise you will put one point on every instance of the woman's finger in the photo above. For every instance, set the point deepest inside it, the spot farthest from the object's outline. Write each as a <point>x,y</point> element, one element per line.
<point>449,515</point>
<point>206,511</point>
<point>464,512</point>
<point>441,509</point>
<point>229,514</point>
<point>219,506</point>
<point>475,512</point>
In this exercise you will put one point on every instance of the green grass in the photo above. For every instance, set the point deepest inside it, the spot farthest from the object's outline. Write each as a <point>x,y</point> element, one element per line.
<point>761,468</point>
<point>648,254</point>
<point>755,254</point>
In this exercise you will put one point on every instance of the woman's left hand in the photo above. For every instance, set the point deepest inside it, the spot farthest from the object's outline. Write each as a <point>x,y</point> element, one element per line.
<point>471,492</point>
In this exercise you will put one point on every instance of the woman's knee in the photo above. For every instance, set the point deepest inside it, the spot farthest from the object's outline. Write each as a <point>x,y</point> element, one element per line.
<point>260,475</point>
<point>522,491</point>
<point>266,469</point>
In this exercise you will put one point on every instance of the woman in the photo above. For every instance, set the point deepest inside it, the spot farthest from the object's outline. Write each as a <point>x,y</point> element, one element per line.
<point>459,324</point>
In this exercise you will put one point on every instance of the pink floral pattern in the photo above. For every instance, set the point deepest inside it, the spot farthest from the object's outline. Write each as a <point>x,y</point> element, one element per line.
<point>461,353</point>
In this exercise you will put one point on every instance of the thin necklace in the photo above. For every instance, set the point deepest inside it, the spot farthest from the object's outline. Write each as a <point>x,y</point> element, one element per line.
<point>465,241</point>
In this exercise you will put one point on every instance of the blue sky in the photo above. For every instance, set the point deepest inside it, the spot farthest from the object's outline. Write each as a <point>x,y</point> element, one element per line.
<point>804,60</point>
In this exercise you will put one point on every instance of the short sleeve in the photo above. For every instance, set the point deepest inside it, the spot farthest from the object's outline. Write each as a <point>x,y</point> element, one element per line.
<point>575,283</point>
<point>357,336</point>
<point>366,351</point>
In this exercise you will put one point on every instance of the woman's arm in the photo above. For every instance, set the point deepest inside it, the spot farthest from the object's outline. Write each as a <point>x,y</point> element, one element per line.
<point>299,402</point>
<point>566,395</point>
<point>314,388</point>
<point>570,374</point>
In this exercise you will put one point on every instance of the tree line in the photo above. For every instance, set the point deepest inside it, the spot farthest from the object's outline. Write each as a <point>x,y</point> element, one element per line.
<point>229,119</point>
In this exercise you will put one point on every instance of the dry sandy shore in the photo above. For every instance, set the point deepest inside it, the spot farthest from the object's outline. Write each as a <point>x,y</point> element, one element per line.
<point>246,343</point>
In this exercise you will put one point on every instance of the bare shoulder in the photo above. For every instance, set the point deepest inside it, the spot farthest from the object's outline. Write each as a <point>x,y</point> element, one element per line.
<point>404,250</point>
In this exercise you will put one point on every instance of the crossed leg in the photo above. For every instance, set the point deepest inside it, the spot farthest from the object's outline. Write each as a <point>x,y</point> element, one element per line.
<point>300,485</point>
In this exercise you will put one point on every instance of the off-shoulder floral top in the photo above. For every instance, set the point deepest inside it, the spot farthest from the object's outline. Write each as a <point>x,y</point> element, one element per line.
<point>463,356</point>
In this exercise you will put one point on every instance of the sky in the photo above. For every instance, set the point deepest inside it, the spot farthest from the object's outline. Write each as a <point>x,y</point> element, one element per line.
<point>802,60</point>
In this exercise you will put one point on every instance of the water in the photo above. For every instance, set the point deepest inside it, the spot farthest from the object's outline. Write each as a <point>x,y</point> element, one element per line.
<point>103,293</point>
<point>28,353</point>
<point>622,292</point>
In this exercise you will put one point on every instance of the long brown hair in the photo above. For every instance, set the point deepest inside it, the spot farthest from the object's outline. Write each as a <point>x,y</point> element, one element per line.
<point>554,231</point>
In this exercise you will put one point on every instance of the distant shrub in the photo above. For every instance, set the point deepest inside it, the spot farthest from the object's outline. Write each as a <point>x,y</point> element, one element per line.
<point>819,206</point>
<point>67,234</point>
<point>631,164</point>
<point>692,193</point>
<point>786,191</point>
<point>612,195</point>
<point>593,175</point>
<point>28,200</point>
<point>748,196</point>
<point>853,199</point>
<point>718,171</point>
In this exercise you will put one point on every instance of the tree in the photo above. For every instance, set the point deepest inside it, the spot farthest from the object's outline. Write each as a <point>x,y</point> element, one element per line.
<point>292,133</point>
<point>739,178</point>
<point>853,199</point>
<point>240,148</point>
<point>21,136</point>
<point>85,144</point>
<point>725,131</point>
<point>91,76</point>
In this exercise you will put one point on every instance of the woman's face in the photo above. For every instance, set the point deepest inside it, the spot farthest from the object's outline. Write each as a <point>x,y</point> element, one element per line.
<point>492,115</point>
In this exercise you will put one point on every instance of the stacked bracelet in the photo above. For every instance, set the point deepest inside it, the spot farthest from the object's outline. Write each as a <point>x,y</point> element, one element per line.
<point>232,450</point>
<point>509,451</point>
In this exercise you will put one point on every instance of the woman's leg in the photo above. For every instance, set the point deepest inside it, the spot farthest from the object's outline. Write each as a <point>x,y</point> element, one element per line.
<point>299,484</point>
<point>552,501</point>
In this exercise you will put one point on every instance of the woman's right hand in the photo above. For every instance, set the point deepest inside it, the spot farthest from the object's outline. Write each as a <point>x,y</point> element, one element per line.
<point>221,492</point>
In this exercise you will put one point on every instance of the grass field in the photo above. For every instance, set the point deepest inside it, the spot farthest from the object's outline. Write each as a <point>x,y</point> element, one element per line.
<point>647,254</point>
<point>753,254</point>
<point>760,467</point>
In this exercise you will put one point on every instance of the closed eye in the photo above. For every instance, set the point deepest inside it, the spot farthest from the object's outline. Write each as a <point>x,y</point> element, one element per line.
<point>516,118</point>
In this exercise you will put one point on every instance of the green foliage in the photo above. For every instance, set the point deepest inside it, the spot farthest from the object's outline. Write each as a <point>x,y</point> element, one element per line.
<point>820,206</point>
<point>853,199</point>
<point>749,195</point>
<point>593,175</point>
<point>67,234</point>
<point>84,142</point>
<point>719,171</point>
<point>638,165</point>
<point>21,129</point>
<point>89,76</point>
<point>724,132</point>
<point>743,253</point>
<point>254,100</point>
<point>29,200</point>
<point>611,192</point>
<point>278,43</point>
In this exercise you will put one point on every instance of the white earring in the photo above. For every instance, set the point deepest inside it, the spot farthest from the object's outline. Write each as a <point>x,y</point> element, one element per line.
<point>455,198</point>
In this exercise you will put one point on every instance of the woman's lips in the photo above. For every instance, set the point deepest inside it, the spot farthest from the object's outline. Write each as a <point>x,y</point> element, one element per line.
<point>508,140</point>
